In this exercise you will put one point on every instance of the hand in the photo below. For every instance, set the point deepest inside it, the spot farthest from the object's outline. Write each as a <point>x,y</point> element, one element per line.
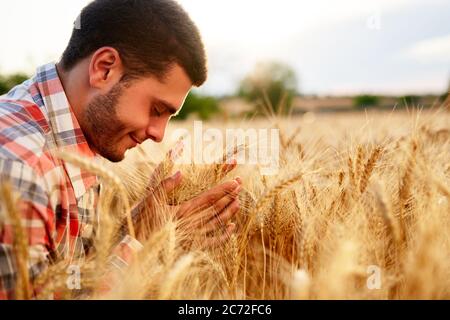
<point>205,216</point>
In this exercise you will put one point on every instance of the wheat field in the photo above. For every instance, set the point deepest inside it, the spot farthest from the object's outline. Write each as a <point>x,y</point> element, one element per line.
<point>359,209</point>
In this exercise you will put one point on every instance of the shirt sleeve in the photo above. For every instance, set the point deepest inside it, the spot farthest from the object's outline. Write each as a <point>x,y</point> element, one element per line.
<point>123,253</point>
<point>128,247</point>
<point>120,259</point>
<point>38,225</point>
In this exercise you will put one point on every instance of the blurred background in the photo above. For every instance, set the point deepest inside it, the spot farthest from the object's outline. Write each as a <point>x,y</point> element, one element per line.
<point>307,56</point>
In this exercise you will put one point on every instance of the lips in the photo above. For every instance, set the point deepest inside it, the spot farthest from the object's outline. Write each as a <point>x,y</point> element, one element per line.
<point>135,139</point>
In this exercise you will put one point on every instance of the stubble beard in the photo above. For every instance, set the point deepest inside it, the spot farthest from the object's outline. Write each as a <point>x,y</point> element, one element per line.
<point>101,125</point>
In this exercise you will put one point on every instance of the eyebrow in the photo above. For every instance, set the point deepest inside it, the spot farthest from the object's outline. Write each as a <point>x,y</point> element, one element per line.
<point>172,110</point>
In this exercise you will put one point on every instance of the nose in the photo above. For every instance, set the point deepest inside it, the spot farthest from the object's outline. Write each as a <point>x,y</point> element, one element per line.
<point>156,130</point>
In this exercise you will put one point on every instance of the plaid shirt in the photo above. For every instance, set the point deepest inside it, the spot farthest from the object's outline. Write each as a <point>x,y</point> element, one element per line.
<point>60,198</point>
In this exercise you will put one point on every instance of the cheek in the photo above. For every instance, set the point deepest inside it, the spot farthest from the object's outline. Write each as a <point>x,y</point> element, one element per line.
<point>133,117</point>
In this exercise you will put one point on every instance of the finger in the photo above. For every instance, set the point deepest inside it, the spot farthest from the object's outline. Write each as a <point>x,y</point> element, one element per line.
<point>208,198</point>
<point>223,218</point>
<point>218,240</point>
<point>169,184</point>
<point>209,209</point>
<point>166,186</point>
<point>225,201</point>
<point>209,216</point>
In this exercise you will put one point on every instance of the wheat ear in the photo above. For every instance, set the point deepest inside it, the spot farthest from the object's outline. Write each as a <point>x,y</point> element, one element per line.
<point>368,168</point>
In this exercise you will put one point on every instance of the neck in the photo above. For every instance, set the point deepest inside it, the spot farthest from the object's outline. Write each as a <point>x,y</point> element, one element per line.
<point>74,83</point>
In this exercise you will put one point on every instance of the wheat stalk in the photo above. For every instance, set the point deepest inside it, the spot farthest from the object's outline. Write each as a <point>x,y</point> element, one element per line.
<point>109,176</point>
<point>20,242</point>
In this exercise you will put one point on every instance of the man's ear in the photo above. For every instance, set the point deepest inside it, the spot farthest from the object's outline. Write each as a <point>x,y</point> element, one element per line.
<point>105,69</point>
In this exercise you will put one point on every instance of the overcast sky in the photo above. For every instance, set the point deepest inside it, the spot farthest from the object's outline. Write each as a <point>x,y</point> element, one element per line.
<point>335,46</point>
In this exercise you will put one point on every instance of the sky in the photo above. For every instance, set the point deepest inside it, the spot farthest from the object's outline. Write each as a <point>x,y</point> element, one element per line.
<point>336,47</point>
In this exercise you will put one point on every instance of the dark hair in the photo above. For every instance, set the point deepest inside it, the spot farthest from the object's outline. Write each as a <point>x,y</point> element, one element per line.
<point>150,35</point>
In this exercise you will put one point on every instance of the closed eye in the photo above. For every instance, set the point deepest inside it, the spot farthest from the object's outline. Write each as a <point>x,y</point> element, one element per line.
<point>156,111</point>
<point>160,107</point>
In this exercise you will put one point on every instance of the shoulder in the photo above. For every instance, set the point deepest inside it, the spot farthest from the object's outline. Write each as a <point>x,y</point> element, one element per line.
<point>23,125</point>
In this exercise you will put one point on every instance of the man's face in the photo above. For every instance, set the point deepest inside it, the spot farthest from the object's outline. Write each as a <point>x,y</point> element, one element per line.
<point>131,113</point>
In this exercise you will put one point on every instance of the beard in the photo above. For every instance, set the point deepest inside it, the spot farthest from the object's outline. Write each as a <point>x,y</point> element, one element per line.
<point>102,128</point>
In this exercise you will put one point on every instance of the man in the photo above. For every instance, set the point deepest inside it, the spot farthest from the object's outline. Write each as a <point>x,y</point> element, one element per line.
<point>126,71</point>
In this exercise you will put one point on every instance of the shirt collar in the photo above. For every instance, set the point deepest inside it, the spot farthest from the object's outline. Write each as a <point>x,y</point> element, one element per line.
<point>65,128</point>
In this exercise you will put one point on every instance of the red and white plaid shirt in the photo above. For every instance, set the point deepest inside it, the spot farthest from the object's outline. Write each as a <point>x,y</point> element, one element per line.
<point>36,118</point>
